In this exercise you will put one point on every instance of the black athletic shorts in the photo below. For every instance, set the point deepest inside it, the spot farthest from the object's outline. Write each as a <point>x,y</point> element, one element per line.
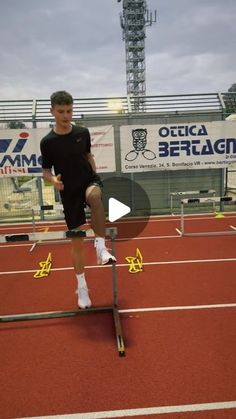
<point>74,204</point>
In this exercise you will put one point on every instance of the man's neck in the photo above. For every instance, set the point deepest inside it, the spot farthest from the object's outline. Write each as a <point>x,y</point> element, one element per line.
<point>62,131</point>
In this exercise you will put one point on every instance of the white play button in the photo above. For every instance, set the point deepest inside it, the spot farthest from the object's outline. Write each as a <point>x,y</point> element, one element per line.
<point>116,209</point>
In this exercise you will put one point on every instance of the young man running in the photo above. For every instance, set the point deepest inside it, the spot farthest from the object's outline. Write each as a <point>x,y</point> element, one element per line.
<point>66,149</point>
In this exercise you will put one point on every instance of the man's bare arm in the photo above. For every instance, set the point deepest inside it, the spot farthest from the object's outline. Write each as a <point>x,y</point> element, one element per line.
<point>91,161</point>
<point>55,180</point>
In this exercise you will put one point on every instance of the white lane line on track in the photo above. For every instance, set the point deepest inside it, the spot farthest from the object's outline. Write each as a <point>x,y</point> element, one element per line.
<point>16,245</point>
<point>174,236</point>
<point>199,407</point>
<point>121,265</point>
<point>174,308</point>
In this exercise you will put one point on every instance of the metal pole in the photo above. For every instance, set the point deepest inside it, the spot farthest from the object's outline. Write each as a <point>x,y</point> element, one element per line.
<point>114,278</point>
<point>182,218</point>
<point>40,195</point>
<point>222,177</point>
<point>171,204</point>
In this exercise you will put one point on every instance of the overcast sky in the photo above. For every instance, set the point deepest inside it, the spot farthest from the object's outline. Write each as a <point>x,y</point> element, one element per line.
<point>77,45</point>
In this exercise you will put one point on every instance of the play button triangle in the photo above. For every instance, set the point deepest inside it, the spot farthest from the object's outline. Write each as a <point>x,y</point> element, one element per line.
<point>116,209</point>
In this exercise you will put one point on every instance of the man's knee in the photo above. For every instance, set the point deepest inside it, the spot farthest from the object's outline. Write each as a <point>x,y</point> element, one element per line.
<point>94,201</point>
<point>93,197</point>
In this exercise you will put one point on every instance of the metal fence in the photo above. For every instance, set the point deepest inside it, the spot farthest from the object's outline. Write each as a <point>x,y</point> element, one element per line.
<point>34,111</point>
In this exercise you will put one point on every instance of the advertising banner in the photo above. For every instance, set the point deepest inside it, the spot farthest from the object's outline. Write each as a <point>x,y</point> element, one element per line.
<point>202,145</point>
<point>20,150</point>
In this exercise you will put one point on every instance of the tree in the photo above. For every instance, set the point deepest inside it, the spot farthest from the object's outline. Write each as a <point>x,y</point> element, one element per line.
<point>230,99</point>
<point>16,125</point>
<point>232,88</point>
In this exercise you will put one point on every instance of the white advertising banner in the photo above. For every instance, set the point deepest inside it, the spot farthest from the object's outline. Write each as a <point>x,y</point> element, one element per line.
<point>199,145</point>
<point>103,148</point>
<point>20,150</point>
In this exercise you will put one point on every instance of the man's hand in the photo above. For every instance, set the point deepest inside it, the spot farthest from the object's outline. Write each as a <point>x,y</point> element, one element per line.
<point>57,182</point>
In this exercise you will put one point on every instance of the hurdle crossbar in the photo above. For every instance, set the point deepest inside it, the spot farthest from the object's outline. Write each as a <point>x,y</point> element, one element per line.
<point>49,315</point>
<point>46,235</point>
<point>190,193</point>
<point>41,208</point>
<point>112,233</point>
<point>225,199</point>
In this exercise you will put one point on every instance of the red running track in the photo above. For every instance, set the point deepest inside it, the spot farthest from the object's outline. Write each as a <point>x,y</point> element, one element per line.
<point>178,319</point>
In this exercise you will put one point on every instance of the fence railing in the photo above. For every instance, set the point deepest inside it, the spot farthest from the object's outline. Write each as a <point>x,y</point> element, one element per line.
<point>34,110</point>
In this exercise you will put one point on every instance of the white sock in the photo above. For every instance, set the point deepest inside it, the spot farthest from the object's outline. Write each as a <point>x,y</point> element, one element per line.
<point>81,280</point>
<point>100,242</point>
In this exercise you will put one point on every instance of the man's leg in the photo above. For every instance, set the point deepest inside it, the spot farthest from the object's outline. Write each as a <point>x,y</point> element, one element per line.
<point>77,244</point>
<point>78,262</point>
<point>93,197</point>
<point>73,205</point>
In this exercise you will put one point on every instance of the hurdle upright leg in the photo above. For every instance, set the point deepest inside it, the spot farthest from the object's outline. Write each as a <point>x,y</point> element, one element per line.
<point>116,314</point>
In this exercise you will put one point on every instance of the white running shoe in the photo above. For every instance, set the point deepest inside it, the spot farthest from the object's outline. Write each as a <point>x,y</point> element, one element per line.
<point>83,298</point>
<point>104,257</point>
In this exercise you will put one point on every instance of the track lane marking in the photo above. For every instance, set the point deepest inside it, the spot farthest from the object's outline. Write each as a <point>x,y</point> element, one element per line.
<point>121,265</point>
<point>124,413</point>
<point>174,308</point>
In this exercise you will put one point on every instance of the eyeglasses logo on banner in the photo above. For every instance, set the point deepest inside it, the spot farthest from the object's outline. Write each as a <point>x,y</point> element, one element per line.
<point>139,143</point>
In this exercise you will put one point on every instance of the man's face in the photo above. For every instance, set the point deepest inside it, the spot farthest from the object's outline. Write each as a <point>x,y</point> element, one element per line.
<point>63,115</point>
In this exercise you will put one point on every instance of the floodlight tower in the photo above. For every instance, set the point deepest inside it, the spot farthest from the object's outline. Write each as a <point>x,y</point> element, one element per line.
<point>134,19</point>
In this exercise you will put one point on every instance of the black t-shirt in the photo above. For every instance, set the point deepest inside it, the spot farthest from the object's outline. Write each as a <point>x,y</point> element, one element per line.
<point>67,154</point>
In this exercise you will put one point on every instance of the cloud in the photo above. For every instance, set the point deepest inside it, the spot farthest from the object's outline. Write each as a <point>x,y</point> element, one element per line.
<point>77,45</point>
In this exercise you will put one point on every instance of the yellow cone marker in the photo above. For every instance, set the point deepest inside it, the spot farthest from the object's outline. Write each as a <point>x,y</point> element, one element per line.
<point>45,267</point>
<point>219,215</point>
<point>135,262</point>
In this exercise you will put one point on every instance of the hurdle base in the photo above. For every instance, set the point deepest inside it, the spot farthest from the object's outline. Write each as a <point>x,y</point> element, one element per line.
<point>80,312</point>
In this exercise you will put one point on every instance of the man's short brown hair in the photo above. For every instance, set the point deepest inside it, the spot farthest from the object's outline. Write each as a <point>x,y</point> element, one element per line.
<point>61,97</point>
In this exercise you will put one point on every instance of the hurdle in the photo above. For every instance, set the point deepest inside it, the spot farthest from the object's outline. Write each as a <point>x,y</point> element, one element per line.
<point>58,235</point>
<point>226,200</point>
<point>211,192</point>
<point>40,208</point>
